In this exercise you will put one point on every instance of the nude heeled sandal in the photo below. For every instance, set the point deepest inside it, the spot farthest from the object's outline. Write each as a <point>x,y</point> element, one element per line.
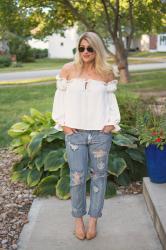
<point>80,236</point>
<point>91,235</point>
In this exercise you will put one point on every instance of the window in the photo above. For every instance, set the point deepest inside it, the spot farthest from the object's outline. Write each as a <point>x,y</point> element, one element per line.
<point>163,40</point>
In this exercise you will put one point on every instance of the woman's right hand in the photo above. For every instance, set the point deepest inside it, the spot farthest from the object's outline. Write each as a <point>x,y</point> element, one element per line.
<point>68,130</point>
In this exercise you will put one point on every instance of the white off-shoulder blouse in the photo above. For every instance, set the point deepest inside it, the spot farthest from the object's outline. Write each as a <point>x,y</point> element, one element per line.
<point>85,104</point>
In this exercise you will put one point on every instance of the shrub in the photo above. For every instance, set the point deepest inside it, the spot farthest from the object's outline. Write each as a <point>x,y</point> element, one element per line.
<point>40,53</point>
<point>128,104</point>
<point>5,61</point>
<point>21,49</point>
<point>44,165</point>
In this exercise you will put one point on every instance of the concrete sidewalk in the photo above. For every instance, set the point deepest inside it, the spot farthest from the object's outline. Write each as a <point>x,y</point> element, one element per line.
<point>125,225</point>
<point>155,197</point>
<point>147,66</point>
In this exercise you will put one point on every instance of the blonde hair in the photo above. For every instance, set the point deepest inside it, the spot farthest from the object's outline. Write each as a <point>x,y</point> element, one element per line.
<point>100,62</point>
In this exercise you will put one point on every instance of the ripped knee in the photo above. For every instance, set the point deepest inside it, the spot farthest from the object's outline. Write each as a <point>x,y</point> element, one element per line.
<point>76,178</point>
<point>99,153</point>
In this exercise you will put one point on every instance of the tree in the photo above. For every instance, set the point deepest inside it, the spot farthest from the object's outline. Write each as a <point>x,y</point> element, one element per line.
<point>14,20</point>
<point>108,18</point>
<point>15,27</point>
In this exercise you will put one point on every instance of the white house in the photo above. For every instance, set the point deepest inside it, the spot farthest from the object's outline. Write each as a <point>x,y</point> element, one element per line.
<point>58,46</point>
<point>151,43</point>
<point>62,47</point>
<point>161,42</point>
<point>38,44</point>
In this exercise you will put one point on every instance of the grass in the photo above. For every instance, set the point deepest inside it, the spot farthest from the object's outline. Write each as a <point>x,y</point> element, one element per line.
<point>139,61</point>
<point>39,64</point>
<point>17,100</point>
<point>154,80</point>
<point>148,54</point>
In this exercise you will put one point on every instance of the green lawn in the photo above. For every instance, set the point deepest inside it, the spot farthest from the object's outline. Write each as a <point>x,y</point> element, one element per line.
<point>39,64</point>
<point>148,54</point>
<point>17,100</point>
<point>154,80</point>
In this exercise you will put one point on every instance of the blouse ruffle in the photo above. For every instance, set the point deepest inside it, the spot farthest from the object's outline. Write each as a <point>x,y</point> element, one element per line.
<point>112,86</point>
<point>62,84</point>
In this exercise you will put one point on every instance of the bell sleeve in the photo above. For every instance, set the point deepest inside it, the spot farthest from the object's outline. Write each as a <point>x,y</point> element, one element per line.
<point>58,109</point>
<point>113,113</point>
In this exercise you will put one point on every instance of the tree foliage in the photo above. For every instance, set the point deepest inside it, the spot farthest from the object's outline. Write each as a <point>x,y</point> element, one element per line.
<point>14,19</point>
<point>111,19</point>
<point>104,16</point>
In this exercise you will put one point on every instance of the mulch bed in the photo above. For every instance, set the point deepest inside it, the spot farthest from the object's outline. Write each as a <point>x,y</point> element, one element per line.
<point>16,200</point>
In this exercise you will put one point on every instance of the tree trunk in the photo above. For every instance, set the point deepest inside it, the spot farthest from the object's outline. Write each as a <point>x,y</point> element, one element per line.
<point>122,62</point>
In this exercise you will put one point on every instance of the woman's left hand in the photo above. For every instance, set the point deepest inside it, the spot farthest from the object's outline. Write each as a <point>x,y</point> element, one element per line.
<point>108,128</point>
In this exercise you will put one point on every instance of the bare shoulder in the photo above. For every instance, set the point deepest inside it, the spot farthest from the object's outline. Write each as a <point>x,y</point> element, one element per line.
<point>66,69</point>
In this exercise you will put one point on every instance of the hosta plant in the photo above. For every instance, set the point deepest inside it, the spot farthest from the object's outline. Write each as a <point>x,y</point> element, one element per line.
<point>44,165</point>
<point>22,132</point>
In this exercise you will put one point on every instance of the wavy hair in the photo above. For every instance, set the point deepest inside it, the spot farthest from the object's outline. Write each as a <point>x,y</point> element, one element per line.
<point>100,63</point>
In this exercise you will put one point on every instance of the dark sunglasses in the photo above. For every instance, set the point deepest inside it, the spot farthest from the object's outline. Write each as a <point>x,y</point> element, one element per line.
<point>89,49</point>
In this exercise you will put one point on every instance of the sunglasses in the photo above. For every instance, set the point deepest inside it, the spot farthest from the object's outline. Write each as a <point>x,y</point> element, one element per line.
<point>89,49</point>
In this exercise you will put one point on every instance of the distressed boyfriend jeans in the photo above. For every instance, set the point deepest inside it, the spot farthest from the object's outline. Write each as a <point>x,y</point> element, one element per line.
<point>87,152</point>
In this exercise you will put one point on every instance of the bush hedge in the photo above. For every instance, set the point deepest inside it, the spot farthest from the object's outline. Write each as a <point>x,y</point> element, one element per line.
<point>22,50</point>
<point>40,53</point>
<point>5,61</point>
<point>128,105</point>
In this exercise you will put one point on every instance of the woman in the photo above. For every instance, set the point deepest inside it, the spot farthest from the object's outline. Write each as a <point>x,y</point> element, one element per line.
<point>86,110</point>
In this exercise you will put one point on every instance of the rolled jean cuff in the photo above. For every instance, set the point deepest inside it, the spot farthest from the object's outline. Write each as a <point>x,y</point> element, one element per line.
<point>78,213</point>
<point>96,215</point>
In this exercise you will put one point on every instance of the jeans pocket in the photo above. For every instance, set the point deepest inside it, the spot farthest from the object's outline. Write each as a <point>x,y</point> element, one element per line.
<point>76,138</point>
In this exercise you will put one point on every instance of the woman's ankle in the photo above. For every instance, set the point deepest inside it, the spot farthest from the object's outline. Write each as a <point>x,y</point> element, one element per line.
<point>78,218</point>
<point>92,219</point>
